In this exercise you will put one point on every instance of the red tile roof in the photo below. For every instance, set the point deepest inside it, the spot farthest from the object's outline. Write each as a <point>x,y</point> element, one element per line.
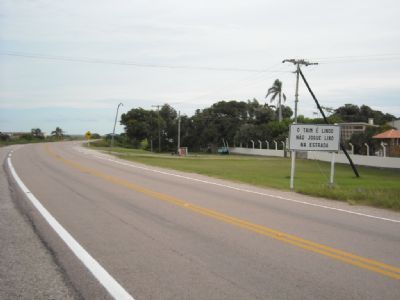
<point>390,134</point>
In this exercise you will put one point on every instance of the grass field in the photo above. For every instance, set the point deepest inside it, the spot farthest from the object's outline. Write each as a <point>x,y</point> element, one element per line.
<point>376,187</point>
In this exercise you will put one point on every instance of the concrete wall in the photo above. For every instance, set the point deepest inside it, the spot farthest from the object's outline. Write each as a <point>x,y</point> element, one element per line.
<point>395,124</point>
<point>262,152</point>
<point>362,160</point>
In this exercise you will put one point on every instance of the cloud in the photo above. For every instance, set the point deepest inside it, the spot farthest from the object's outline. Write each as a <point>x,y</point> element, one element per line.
<point>236,34</point>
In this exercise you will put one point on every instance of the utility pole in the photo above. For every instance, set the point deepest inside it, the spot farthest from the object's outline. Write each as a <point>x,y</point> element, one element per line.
<point>179,130</point>
<point>159,130</point>
<point>115,123</point>
<point>297,63</point>
<point>296,95</point>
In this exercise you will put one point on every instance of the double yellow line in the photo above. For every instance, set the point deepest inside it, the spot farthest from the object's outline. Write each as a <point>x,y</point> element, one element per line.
<point>352,259</point>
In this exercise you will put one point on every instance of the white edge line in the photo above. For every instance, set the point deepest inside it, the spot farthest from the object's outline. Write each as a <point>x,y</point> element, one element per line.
<point>243,190</point>
<point>106,280</point>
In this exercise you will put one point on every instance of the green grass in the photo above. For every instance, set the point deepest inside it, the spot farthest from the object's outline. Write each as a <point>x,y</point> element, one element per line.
<point>376,187</point>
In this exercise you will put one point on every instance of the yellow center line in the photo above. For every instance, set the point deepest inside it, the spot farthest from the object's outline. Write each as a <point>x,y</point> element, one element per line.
<point>350,258</point>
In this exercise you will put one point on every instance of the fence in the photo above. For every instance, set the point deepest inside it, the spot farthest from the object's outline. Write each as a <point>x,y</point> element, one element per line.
<point>262,152</point>
<point>362,160</point>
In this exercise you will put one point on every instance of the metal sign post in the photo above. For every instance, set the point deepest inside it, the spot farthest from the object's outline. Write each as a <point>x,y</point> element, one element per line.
<point>88,136</point>
<point>310,137</point>
<point>332,169</point>
<point>293,156</point>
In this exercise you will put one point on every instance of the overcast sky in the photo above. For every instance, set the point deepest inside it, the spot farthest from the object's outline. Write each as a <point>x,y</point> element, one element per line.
<point>69,63</point>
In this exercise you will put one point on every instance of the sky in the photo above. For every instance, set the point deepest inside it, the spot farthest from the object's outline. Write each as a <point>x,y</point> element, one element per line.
<point>70,63</point>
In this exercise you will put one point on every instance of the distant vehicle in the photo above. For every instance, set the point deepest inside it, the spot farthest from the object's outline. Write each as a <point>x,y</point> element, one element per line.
<point>223,150</point>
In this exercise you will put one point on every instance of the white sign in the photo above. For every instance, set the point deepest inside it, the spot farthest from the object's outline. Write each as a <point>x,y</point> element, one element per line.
<point>310,137</point>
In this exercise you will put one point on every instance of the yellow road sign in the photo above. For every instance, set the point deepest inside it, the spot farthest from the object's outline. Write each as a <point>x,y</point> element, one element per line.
<point>88,135</point>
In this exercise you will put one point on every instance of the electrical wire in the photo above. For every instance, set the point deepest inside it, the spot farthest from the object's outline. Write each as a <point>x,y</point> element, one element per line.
<point>242,83</point>
<point>245,82</point>
<point>127,63</point>
<point>358,58</point>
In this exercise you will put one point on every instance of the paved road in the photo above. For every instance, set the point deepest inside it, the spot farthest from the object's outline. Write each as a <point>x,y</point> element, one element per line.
<point>169,235</point>
<point>27,268</point>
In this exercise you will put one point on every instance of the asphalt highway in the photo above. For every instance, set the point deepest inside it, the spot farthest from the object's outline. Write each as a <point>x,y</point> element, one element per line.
<point>163,234</point>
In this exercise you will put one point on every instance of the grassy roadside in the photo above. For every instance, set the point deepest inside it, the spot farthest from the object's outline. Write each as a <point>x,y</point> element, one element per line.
<point>376,187</point>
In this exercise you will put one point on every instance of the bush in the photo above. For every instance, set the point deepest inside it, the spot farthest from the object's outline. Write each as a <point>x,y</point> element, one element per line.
<point>4,137</point>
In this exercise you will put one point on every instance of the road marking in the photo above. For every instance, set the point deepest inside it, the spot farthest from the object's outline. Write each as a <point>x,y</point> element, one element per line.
<point>347,257</point>
<point>243,190</point>
<point>105,279</point>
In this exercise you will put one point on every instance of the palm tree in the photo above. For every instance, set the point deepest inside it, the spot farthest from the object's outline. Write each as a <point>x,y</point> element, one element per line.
<point>58,132</point>
<point>276,90</point>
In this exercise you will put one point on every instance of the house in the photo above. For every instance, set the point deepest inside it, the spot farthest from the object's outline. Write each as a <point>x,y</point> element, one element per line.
<point>391,140</point>
<point>348,129</point>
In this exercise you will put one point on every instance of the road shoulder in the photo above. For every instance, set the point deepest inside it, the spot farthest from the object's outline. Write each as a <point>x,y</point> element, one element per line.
<point>27,267</point>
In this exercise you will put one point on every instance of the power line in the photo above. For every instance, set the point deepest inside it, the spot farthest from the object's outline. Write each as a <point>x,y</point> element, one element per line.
<point>359,58</point>
<point>127,63</point>
<point>241,83</point>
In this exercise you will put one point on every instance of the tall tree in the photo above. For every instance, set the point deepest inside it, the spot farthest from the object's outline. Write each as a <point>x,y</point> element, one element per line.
<point>58,132</point>
<point>276,90</point>
<point>139,125</point>
<point>353,113</point>
<point>145,125</point>
<point>169,128</point>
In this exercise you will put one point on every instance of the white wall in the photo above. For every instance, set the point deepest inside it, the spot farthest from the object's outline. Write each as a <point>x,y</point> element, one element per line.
<point>262,152</point>
<point>362,160</point>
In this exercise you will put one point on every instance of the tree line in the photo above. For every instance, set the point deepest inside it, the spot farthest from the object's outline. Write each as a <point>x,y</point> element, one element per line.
<point>35,134</point>
<point>236,122</point>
